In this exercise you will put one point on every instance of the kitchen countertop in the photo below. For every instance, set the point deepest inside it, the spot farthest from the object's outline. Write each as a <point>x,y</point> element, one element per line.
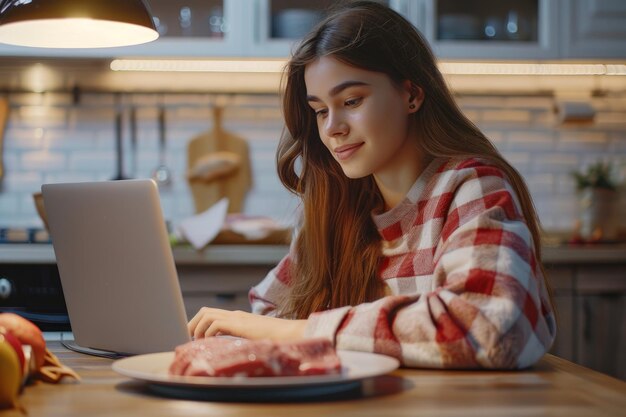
<point>41,253</point>
<point>583,254</point>
<point>270,254</point>
<point>553,387</point>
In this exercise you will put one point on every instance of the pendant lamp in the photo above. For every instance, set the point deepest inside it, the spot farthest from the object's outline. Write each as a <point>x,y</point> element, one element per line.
<point>75,23</point>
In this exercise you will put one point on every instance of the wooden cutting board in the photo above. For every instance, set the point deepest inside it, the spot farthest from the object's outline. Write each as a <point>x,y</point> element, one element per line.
<point>4,116</point>
<point>234,186</point>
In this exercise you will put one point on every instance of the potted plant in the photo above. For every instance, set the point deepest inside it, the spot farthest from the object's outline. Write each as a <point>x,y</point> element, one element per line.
<point>598,199</point>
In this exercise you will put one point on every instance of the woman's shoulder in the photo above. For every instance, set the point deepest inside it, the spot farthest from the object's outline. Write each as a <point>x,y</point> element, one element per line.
<point>472,175</point>
<point>465,165</point>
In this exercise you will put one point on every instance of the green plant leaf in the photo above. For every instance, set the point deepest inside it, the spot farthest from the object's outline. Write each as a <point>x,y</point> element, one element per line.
<point>597,175</point>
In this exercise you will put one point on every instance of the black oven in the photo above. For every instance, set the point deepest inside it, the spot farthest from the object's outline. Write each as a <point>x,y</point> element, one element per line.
<point>34,292</point>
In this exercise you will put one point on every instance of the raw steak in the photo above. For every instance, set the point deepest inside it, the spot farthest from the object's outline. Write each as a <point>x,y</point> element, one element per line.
<point>221,356</point>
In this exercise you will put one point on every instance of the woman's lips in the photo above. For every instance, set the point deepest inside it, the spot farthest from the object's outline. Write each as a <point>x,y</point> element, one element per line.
<point>346,151</point>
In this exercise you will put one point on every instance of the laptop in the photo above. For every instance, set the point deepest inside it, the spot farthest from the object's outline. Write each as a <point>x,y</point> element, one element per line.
<point>116,267</point>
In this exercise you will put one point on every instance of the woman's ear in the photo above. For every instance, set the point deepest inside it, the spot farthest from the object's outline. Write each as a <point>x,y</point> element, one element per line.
<point>416,96</point>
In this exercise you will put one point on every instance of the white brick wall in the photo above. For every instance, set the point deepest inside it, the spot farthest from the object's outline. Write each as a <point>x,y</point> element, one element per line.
<point>50,140</point>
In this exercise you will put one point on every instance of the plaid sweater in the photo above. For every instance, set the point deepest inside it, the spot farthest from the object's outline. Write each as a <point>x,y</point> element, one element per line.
<point>466,290</point>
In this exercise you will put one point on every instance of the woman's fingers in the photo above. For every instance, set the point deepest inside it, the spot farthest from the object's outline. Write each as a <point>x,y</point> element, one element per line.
<point>205,318</point>
<point>217,328</point>
<point>195,323</point>
<point>203,324</point>
<point>214,321</point>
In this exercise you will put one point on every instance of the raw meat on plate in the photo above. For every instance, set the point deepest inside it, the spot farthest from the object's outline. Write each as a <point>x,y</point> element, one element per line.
<point>229,357</point>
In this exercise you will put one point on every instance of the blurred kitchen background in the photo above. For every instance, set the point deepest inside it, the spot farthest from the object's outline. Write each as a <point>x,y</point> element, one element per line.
<point>63,103</point>
<point>544,79</point>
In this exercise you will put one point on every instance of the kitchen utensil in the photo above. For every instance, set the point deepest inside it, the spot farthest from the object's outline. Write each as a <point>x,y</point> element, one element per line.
<point>213,166</point>
<point>133,140</point>
<point>41,210</point>
<point>162,174</point>
<point>119,148</point>
<point>217,24</point>
<point>4,116</point>
<point>235,184</point>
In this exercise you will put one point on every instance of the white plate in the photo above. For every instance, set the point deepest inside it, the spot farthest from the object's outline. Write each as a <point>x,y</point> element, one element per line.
<point>153,368</point>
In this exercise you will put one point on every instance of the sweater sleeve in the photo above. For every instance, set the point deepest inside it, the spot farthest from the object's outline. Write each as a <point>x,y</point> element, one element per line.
<point>488,307</point>
<point>265,296</point>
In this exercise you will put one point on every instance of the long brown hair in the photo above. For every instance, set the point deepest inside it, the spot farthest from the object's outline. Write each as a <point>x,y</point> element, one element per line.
<point>338,248</point>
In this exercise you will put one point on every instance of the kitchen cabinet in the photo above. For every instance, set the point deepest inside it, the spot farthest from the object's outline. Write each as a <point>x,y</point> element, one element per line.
<point>478,29</point>
<point>280,24</point>
<point>219,286</point>
<point>194,28</point>
<point>600,303</point>
<point>250,28</point>
<point>591,315</point>
<point>594,29</point>
<point>562,282</point>
<point>473,29</point>
<point>222,275</point>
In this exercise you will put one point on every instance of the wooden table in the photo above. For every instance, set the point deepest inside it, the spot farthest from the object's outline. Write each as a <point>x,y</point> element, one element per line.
<point>554,387</point>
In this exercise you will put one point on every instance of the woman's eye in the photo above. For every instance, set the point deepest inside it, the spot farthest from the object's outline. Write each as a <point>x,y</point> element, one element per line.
<point>321,113</point>
<point>353,102</point>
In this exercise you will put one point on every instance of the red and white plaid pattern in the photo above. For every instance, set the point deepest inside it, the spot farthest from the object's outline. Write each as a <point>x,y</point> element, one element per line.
<point>465,288</point>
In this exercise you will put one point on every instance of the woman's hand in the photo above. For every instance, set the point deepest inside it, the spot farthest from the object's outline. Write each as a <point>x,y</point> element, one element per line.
<point>213,321</point>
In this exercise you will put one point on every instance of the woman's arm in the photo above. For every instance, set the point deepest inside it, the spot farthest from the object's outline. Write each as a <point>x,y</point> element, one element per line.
<point>488,307</point>
<point>265,296</point>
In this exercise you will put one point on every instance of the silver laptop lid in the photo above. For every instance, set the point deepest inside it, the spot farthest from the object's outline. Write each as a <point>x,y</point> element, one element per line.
<point>116,265</point>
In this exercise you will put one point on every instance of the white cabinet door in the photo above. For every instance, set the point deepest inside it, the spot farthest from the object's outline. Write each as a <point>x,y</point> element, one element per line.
<point>200,45</point>
<point>445,46</point>
<point>594,29</point>
<point>277,20</point>
<point>263,42</point>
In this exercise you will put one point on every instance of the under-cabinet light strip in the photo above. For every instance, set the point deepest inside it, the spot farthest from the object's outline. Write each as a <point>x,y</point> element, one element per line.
<point>277,66</point>
<point>492,68</point>
<point>197,65</point>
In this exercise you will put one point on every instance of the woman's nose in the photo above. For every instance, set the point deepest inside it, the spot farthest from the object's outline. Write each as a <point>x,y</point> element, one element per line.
<point>336,125</point>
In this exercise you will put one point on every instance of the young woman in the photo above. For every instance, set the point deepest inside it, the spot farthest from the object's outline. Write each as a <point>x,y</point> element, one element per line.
<point>417,240</point>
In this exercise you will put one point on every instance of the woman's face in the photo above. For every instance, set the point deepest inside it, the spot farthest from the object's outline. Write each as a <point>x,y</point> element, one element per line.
<point>362,118</point>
